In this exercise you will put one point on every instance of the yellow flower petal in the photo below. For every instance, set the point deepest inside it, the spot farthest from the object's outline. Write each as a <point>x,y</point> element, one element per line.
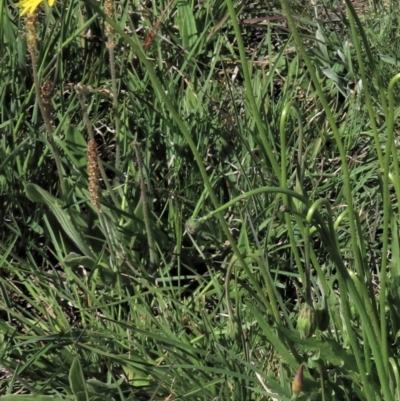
<point>29,6</point>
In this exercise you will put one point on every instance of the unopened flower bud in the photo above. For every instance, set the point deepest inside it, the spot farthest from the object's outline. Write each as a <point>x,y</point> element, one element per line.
<point>297,383</point>
<point>192,226</point>
<point>306,322</point>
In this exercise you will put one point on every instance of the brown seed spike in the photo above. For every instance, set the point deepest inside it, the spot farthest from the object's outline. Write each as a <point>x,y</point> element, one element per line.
<point>46,101</point>
<point>93,173</point>
<point>109,11</point>
<point>30,26</point>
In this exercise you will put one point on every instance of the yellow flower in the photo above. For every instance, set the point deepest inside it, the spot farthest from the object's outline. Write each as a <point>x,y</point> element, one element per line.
<point>29,6</point>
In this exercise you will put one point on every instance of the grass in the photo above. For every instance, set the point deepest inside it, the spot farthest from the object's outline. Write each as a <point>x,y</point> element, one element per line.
<point>204,200</point>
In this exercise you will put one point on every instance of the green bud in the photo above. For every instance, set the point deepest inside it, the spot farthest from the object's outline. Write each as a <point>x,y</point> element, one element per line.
<point>306,322</point>
<point>192,226</point>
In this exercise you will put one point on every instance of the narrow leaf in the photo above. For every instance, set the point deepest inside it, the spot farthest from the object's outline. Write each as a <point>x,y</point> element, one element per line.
<point>39,195</point>
<point>77,381</point>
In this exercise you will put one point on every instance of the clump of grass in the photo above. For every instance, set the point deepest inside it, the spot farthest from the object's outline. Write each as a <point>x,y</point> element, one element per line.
<point>266,180</point>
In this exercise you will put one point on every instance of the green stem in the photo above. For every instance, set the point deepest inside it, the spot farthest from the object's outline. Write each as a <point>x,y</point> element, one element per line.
<point>253,192</point>
<point>146,212</point>
<point>386,217</point>
<point>270,287</point>
<point>49,125</point>
<point>286,199</point>
<point>111,47</point>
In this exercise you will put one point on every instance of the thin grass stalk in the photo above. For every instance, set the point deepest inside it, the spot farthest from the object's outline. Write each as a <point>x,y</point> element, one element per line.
<point>109,10</point>
<point>249,91</point>
<point>231,314</point>
<point>395,370</point>
<point>382,372</point>
<point>165,99</point>
<point>115,107</point>
<point>271,289</point>
<point>368,292</point>
<point>291,359</point>
<point>283,182</point>
<point>307,266</point>
<point>322,380</point>
<point>366,348</point>
<point>146,212</point>
<point>31,41</point>
<point>299,219</point>
<point>366,352</point>
<point>253,192</point>
<point>264,265</point>
<point>321,275</point>
<point>386,217</point>
<point>117,120</point>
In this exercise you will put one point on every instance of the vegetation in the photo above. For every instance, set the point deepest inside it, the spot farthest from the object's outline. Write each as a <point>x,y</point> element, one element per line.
<point>199,201</point>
